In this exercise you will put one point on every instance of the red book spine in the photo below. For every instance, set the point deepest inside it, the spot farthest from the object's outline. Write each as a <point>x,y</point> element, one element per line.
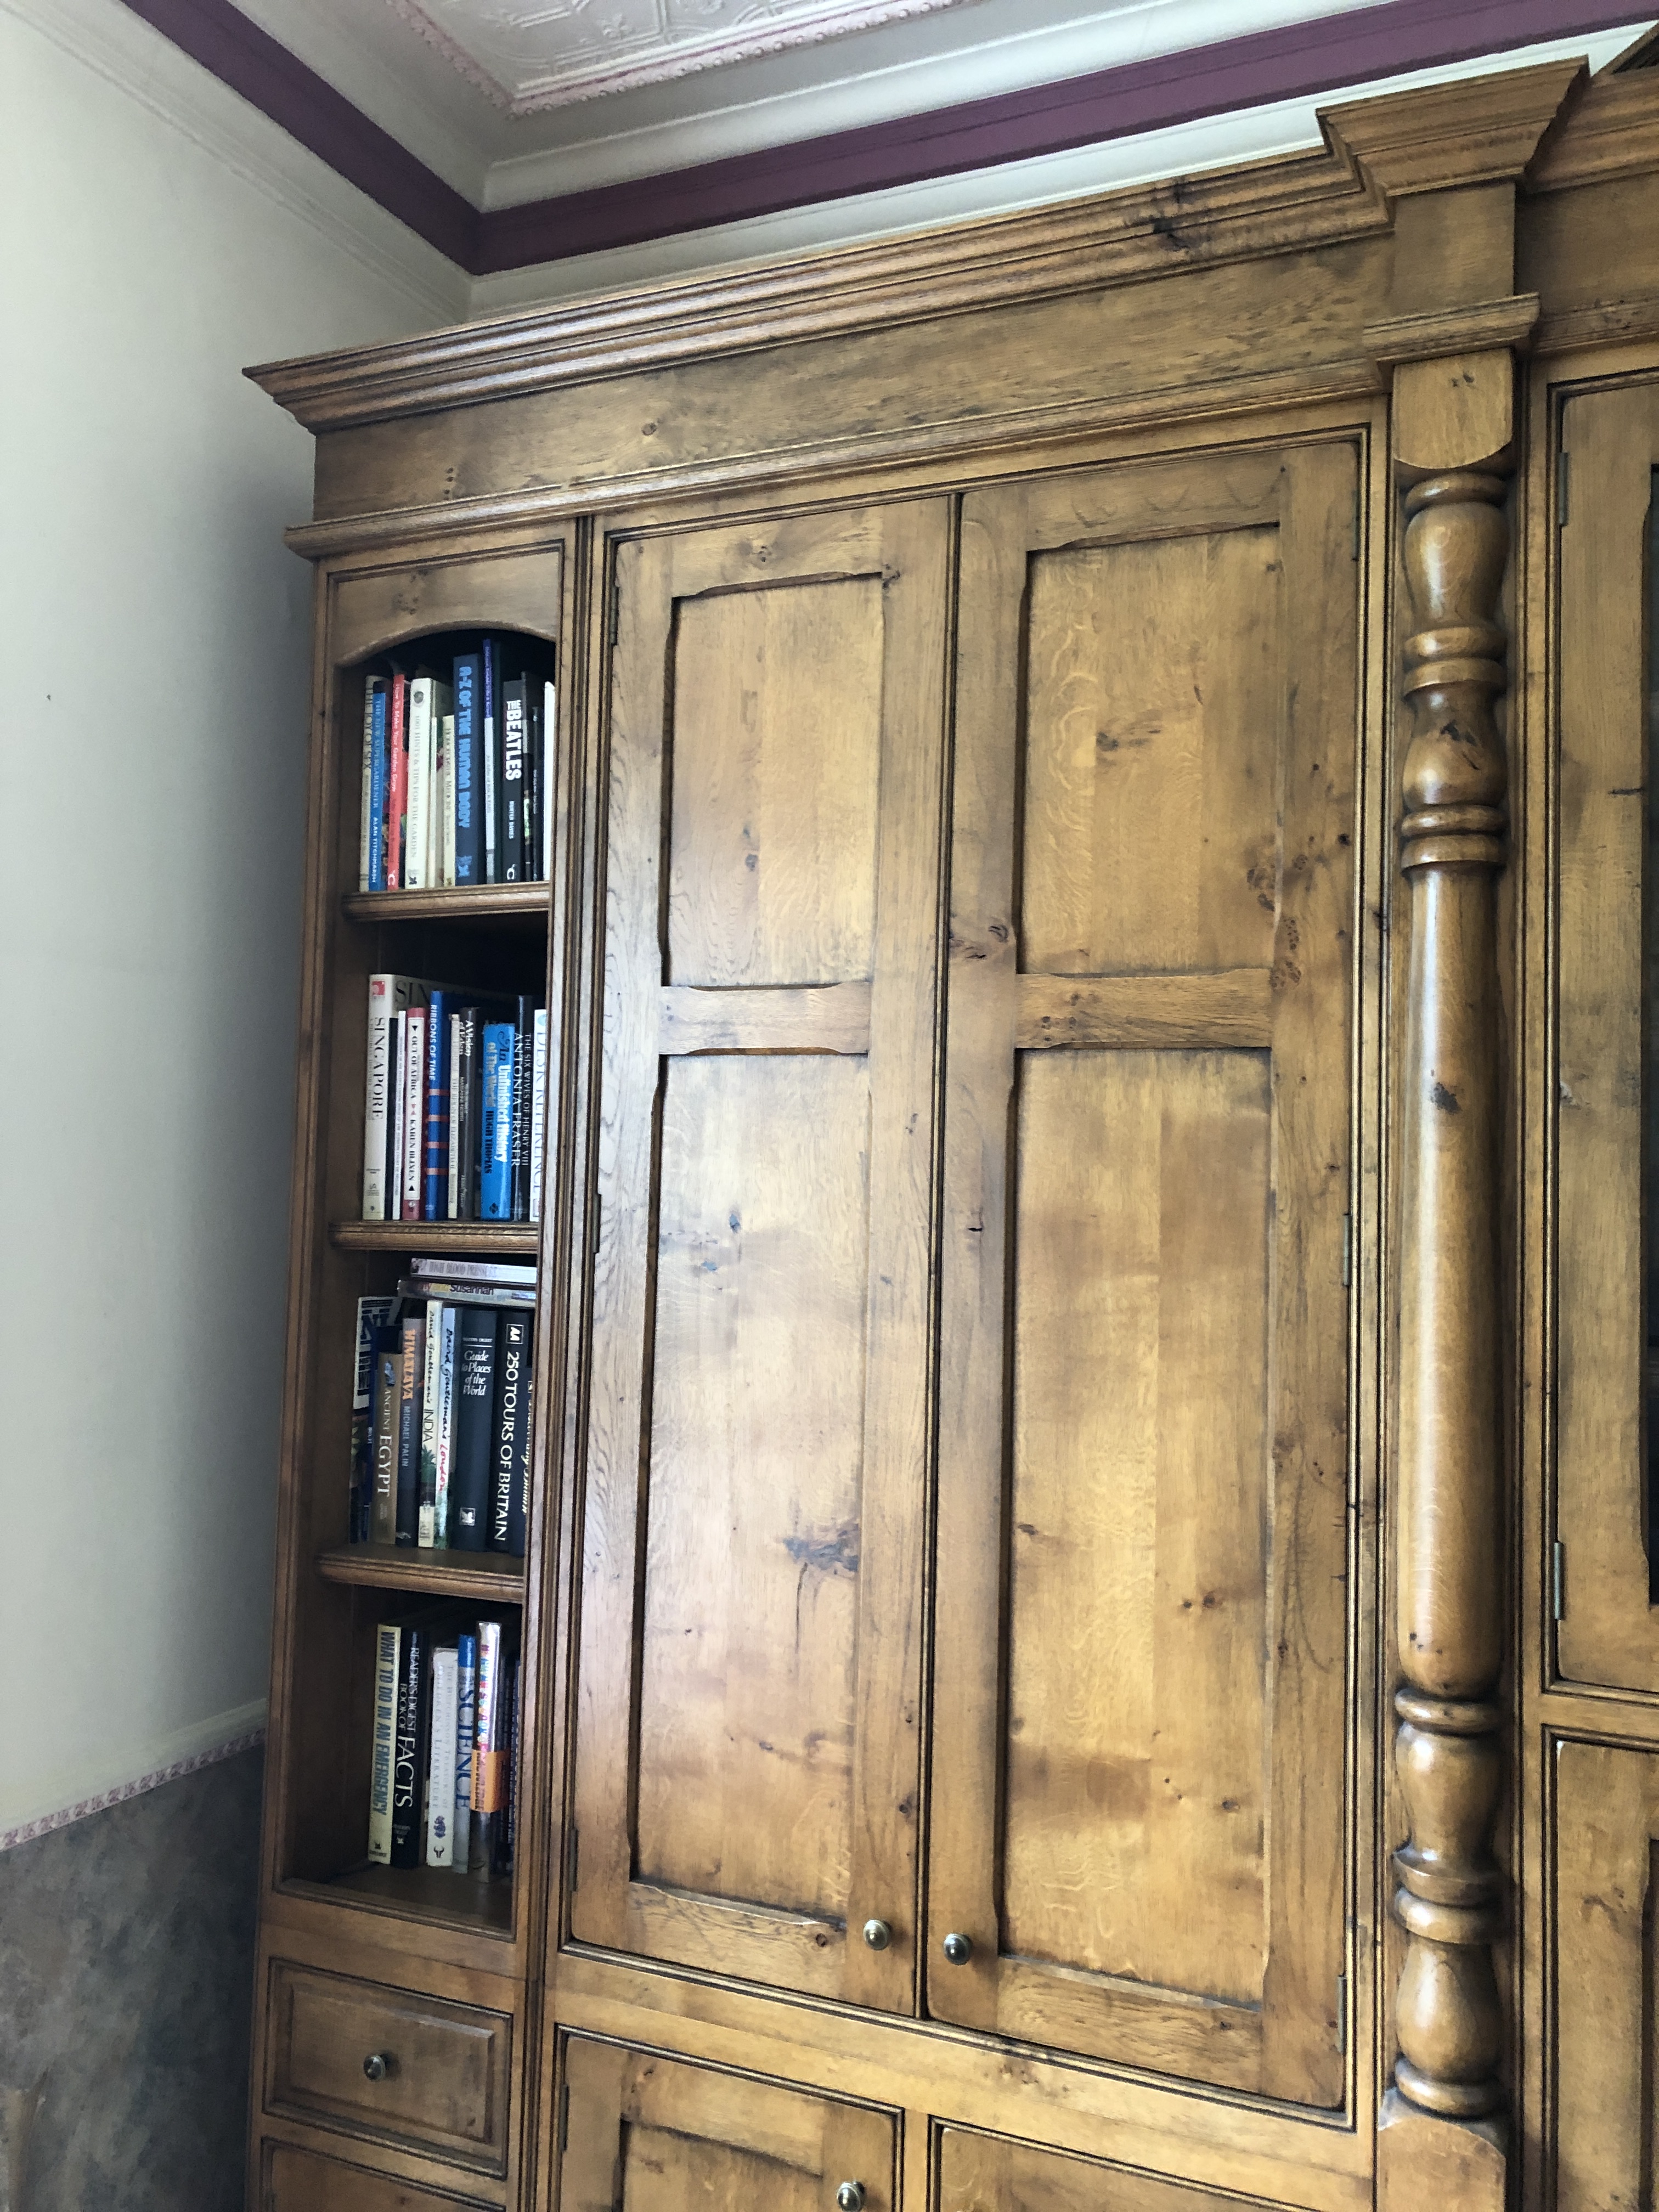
<point>397,802</point>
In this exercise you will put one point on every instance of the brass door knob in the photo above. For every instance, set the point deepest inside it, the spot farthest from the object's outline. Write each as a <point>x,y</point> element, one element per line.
<point>958,1949</point>
<point>850,2196</point>
<point>378,2065</point>
<point>878,1934</point>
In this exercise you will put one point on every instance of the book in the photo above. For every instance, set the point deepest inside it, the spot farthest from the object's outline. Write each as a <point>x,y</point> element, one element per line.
<point>397,779</point>
<point>417,853</point>
<point>441,1765</point>
<point>383,1743</point>
<point>388,996</point>
<point>510,1434</point>
<point>468,814</point>
<point>372,1314</point>
<point>409,1751</point>
<point>431,1354</point>
<point>503,1296</point>
<point>394,1172</point>
<point>466,1707</point>
<point>549,730</point>
<point>463,1079</point>
<point>388,1399</point>
<point>532,780</point>
<point>506,1834</point>
<point>537,1111</point>
<point>410,1373</point>
<point>411,1172</point>
<point>435,1107</point>
<point>487,1760</point>
<point>519,1275</point>
<point>446,1421</point>
<point>368,843</point>
<point>495,1135</point>
<point>475,1406</point>
<point>489,762</point>
<point>523,1032</point>
<point>446,802</point>
<point>514,745</point>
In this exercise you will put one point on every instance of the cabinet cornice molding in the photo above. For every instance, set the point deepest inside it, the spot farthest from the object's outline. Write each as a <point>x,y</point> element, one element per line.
<point>1611,129</point>
<point>1474,328</point>
<point>1478,130</point>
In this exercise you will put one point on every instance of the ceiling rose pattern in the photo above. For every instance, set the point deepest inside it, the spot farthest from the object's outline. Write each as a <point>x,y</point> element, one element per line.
<point>530,55</point>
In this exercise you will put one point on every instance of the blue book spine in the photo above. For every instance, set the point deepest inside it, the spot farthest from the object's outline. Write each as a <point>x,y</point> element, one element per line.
<point>468,813</point>
<point>377,776</point>
<point>495,1146</point>
<point>435,1193</point>
<point>466,1707</point>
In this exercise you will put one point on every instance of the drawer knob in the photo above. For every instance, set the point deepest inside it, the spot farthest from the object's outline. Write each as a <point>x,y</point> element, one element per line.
<point>878,1934</point>
<point>379,2065</point>
<point>958,1949</point>
<point>850,2196</point>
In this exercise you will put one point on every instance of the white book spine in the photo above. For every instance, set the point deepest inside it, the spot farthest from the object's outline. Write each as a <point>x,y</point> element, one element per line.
<point>414,1110</point>
<point>376,1099</point>
<point>440,1770</point>
<point>537,1110</point>
<point>417,820</point>
<point>368,785</point>
<point>427,1524</point>
<point>383,1744</point>
<point>445,1433</point>
<point>394,1197</point>
<point>549,755</point>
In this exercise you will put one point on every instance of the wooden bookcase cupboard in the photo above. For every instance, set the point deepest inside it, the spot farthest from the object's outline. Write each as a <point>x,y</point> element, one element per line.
<point>1088,1627</point>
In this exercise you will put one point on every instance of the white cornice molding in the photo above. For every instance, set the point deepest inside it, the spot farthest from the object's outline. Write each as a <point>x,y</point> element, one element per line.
<point>120,48</point>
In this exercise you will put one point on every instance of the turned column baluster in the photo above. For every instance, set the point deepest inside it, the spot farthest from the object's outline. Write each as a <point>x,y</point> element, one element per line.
<point>1451,1590</point>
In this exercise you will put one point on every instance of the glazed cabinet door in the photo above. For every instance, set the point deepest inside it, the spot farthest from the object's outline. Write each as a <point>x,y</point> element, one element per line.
<point>748,1708</point>
<point>1139,1706</point>
<point>1607,1314</point>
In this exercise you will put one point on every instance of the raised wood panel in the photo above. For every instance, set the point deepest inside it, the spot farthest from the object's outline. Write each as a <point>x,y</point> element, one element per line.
<point>1606,2044</point>
<point>982,2173</point>
<point>1138,1814</point>
<point>296,2180</point>
<point>748,1717</point>
<point>1609,1631</point>
<point>645,2133</point>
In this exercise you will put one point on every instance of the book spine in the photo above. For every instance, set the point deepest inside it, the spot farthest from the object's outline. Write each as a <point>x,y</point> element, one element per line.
<point>411,1371</point>
<point>466,1713</point>
<point>513,760</point>
<point>511,1271</point>
<point>464,1109</point>
<point>382,1749</point>
<point>523,1032</point>
<point>446,802</point>
<point>490,762</point>
<point>388,1399</point>
<point>414,1161</point>
<point>431,1355</point>
<point>418,837</point>
<point>445,1437</point>
<point>510,1433</point>
<point>435,1195</point>
<point>537,1111</point>
<point>380,1013</point>
<point>372,1315</point>
<point>365,833</point>
<point>394,1166</point>
<point>379,783</point>
<point>486,1756</point>
<point>469,816</point>
<point>506,1835</point>
<point>409,1763</point>
<point>544,779</point>
<point>495,1148</point>
<point>532,782</point>
<point>397,803</point>
<point>441,1767</point>
<point>475,1400</point>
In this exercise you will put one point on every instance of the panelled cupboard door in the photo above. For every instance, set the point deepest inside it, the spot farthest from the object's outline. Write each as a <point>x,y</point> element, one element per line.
<point>1607,1345</point>
<point>983,2173</point>
<point>1604,2054</point>
<point>1138,1713</point>
<point>642,2133</point>
<point>747,1714</point>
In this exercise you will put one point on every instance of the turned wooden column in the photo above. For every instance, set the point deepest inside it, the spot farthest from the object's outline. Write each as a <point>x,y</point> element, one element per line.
<point>1451,1586</point>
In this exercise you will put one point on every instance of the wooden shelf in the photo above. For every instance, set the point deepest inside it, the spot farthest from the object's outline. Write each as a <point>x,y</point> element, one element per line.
<point>490,1575</point>
<point>463,1900</point>
<point>527,903</point>
<point>523,1237</point>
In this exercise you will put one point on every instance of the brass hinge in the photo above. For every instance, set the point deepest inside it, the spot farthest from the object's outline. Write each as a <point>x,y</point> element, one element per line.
<point>1558,1581</point>
<point>1562,482</point>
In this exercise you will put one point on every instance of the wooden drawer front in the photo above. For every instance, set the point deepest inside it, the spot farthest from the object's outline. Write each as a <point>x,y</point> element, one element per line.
<point>300,2181</point>
<point>978,2173</point>
<point>445,2084</point>
<point>649,2134</point>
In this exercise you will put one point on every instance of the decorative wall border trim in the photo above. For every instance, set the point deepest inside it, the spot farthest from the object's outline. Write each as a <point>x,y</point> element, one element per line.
<point>1294,61</point>
<point>27,1831</point>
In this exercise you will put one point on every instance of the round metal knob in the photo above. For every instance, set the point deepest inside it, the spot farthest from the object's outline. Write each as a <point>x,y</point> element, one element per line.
<point>377,2065</point>
<point>878,1934</point>
<point>958,1949</point>
<point>850,2196</point>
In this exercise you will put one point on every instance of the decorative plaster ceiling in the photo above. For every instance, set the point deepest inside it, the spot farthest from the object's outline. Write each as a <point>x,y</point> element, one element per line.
<point>529,55</point>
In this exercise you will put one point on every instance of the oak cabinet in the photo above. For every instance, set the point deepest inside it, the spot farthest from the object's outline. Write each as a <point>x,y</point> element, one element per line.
<point>984,2174</point>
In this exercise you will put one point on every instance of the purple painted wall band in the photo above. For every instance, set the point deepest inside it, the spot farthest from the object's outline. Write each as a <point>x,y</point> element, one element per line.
<point>1290,62</point>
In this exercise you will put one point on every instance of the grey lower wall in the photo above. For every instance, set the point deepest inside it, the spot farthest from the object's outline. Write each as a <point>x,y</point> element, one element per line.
<point>126,1979</point>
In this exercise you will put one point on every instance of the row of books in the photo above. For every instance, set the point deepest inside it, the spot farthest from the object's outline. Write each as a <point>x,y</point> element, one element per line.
<point>454,1103</point>
<point>455,774</point>
<point>444,1756</point>
<point>442,1407</point>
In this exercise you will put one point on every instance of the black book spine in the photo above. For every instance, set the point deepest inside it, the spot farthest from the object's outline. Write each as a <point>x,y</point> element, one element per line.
<point>514,749</point>
<point>504,1835</point>
<point>510,1432</point>
<point>474,1388</point>
<point>408,1757</point>
<point>464,1108</point>
<point>413,1355</point>
<point>524,1048</point>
